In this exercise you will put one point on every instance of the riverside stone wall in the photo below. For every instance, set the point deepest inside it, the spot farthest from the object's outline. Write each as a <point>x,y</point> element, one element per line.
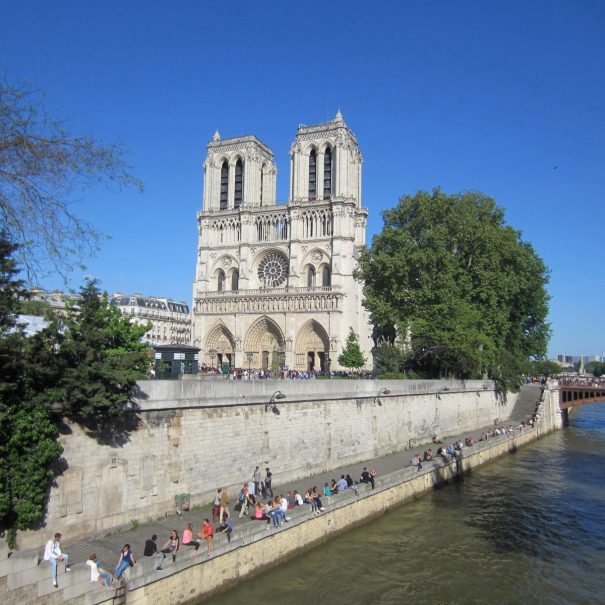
<point>197,435</point>
<point>24,582</point>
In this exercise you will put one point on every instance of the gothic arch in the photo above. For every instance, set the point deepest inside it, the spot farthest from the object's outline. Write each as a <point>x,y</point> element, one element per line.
<point>225,262</point>
<point>315,257</point>
<point>312,347</point>
<point>220,339</point>
<point>264,331</point>
<point>263,344</point>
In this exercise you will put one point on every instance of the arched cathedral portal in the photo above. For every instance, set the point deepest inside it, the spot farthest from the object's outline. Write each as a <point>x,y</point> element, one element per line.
<point>264,344</point>
<point>312,348</point>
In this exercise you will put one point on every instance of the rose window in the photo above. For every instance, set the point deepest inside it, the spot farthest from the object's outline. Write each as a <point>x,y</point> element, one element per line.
<point>273,270</point>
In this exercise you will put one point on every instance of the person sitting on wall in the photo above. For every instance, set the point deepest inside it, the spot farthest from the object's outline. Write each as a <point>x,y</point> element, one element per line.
<point>342,484</point>
<point>366,477</point>
<point>469,441</point>
<point>417,462</point>
<point>226,528</point>
<point>298,498</point>
<point>351,484</point>
<point>436,441</point>
<point>207,532</point>
<point>327,489</point>
<point>151,551</point>
<point>260,513</point>
<point>188,539</point>
<point>428,455</point>
<point>333,487</point>
<point>172,545</point>
<point>315,496</point>
<point>441,452</point>
<point>97,573</point>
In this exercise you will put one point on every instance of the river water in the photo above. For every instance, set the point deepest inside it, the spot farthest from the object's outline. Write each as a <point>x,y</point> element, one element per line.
<point>528,528</point>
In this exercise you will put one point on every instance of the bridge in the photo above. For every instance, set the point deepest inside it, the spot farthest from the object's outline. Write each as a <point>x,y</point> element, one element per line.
<point>575,394</point>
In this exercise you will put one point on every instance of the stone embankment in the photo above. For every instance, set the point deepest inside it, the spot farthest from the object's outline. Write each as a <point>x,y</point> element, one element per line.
<point>24,580</point>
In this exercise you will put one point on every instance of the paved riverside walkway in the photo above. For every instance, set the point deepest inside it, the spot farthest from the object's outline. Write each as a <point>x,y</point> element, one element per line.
<point>108,548</point>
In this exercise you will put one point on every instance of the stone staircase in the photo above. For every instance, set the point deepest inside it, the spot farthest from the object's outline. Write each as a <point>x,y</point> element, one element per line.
<point>527,401</point>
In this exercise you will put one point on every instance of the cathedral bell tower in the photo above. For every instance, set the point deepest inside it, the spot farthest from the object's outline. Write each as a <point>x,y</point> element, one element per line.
<point>274,287</point>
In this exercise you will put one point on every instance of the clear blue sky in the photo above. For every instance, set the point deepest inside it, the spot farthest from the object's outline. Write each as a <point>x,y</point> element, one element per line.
<point>504,97</point>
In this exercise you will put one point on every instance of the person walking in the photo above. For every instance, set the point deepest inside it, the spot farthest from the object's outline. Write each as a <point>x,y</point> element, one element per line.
<point>53,554</point>
<point>224,509</point>
<point>256,477</point>
<point>268,481</point>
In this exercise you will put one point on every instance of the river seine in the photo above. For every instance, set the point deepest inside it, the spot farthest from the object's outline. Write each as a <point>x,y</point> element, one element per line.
<point>528,528</point>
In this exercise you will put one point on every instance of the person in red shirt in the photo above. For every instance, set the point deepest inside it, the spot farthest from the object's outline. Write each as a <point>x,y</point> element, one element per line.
<point>207,533</point>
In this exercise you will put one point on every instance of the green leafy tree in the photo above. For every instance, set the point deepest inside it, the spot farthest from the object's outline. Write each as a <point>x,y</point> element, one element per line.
<point>389,361</point>
<point>29,450</point>
<point>544,367</point>
<point>596,368</point>
<point>99,358</point>
<point>42,168</point>
<point>470,292</point>
<point>351,356</point>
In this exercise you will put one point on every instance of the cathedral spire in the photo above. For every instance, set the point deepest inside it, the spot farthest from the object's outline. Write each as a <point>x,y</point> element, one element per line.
<point>339,119</point>
<point>217,136</point>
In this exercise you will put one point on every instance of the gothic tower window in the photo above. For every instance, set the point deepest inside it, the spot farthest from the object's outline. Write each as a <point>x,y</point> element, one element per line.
<point>262,179</point>
<point>311,277</point>
<point>327,173</point>
<point>239,184</point>
<point>312,175</point>
<point>220,281</point>
<point>235,280</point>
<point>224,185</point>
<point>325,276</point>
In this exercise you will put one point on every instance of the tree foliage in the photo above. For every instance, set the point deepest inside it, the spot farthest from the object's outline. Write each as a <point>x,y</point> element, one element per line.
<point>470,292</point>
<point>98,358</point>
<point>596,368</point>
<point>351,356</point>
<point>87,363</point>
<point>42,167</point>
<point>29,448</point>
<point>544,367</point>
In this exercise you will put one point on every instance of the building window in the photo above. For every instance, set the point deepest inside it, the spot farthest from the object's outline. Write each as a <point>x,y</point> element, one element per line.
<point>326,277</point>
<point>220,282</point>
<point>239,184</point>
<point>327,173</point>
<point>273,270</point>
<point>235,280</point>
<point>224,185</point>
<point>262,182</point>
<point>311,277</point>
<point>312,175</point>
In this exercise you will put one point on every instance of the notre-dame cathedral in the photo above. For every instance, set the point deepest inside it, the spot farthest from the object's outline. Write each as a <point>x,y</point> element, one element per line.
<point>274,282</point>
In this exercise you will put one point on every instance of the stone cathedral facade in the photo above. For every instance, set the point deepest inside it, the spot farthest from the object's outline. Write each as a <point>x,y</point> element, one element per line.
<point>274,282</point>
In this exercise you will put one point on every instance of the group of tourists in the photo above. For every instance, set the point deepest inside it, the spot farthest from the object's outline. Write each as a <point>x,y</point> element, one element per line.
<point>257,501</point>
